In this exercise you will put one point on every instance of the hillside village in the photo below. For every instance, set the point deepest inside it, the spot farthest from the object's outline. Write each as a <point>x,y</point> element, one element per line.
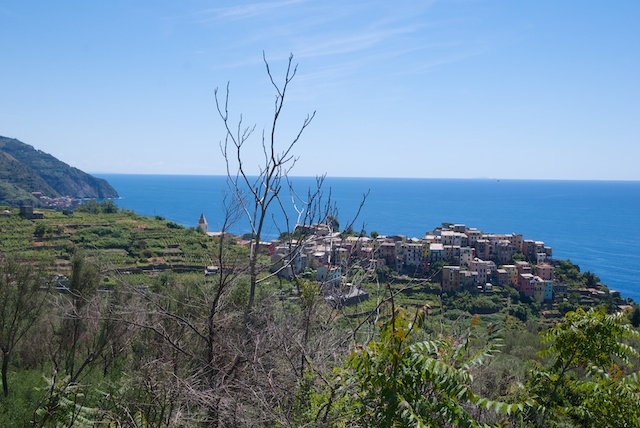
<point>460,257</point>
<point>456,257</point>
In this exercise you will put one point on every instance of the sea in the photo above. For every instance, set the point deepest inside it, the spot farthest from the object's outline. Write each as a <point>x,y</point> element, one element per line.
<point>595,224</point>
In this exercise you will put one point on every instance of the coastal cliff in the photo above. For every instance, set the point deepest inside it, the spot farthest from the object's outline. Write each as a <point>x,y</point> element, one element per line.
<point>25,170</point>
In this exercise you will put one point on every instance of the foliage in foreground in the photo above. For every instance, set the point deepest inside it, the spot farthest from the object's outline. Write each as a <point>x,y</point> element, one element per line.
<point>151,358</point>
<point>590,380</point>
<point>398,381</point>
<point>587,378</point>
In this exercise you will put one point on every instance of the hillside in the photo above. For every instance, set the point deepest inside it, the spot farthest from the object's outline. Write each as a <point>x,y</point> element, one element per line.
<point>129,308</point>
<point>123,241</point>
<point>24,169</point>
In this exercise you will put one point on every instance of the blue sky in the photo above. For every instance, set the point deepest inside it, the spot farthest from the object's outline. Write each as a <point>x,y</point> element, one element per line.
<point>541,89</point>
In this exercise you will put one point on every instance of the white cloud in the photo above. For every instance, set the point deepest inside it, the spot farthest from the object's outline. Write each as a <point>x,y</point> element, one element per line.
<point>243,11</point>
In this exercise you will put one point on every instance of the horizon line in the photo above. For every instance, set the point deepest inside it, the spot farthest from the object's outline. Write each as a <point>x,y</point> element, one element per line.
<point>379,177</point>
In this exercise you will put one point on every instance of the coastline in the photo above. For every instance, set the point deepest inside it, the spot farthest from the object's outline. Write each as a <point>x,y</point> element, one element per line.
<point>591,223</point>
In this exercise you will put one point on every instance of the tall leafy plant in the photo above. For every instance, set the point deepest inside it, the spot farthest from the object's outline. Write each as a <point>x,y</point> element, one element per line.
<point>590,380</point>
<point>394,381</point>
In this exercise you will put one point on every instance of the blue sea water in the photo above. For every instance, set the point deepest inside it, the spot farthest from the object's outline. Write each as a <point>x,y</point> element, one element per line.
<point>593,223</point>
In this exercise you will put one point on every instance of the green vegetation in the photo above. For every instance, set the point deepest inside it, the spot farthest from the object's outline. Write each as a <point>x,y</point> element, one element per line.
<point>122,241</point>
<point>396,381</point>
<point>24,170</point>
<point>589,379</point>
<point>119,325</point>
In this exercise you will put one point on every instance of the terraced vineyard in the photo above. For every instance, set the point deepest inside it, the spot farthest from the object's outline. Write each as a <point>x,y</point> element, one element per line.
<point>122,242</point>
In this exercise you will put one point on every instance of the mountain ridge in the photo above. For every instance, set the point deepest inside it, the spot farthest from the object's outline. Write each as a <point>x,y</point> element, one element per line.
<point>25,170</point>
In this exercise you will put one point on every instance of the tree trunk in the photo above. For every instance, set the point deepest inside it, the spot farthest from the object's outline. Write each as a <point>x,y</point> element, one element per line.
<point>5,369</point>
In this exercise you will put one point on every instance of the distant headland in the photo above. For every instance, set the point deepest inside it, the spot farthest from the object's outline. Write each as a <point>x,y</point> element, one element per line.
<point>32,177</point>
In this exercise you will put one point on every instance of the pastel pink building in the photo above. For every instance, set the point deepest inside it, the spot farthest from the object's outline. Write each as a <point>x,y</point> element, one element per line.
<point>545,271</point>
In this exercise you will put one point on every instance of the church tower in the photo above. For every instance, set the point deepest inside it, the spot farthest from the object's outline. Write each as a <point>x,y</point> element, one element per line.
<point>202,224</point>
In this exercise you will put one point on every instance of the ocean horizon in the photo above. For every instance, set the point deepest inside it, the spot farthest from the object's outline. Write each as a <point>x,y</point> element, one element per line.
<point>591,222</point>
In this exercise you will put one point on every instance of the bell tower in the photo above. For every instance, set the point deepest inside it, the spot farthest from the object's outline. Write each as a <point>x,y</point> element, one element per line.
<point>203,226</point>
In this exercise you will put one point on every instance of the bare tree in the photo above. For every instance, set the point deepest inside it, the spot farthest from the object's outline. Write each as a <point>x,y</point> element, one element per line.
<point>22,298</point>
<point>210,363</point>
<point>258,193</point>
<point>86,332</point>
<point>190,331</point>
